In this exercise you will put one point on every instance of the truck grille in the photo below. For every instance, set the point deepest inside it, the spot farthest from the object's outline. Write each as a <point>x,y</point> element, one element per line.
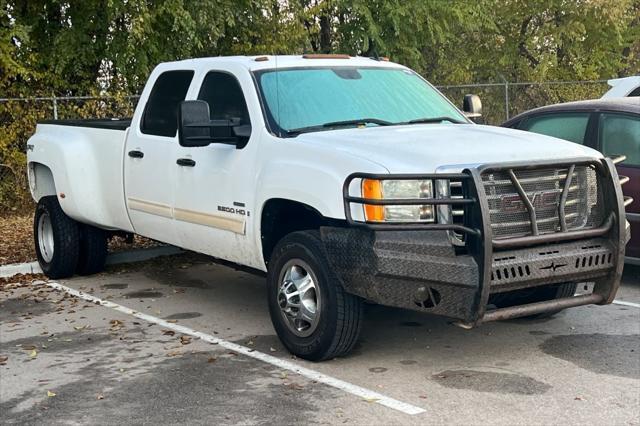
<point>510,217</point>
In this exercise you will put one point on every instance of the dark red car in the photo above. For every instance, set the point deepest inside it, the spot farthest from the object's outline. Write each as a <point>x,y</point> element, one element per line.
<point>612,126</point>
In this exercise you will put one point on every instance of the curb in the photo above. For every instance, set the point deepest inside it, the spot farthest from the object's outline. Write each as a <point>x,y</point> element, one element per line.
<point>130,256</point>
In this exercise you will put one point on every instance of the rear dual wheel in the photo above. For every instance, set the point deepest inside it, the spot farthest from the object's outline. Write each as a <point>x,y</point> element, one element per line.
<point>64,246</point>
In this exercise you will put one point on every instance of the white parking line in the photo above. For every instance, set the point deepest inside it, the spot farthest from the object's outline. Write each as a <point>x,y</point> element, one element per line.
<point>356,390</point>
<point>623,303</point>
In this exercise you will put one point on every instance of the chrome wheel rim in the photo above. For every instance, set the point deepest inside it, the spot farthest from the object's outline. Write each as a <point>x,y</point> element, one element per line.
<point>299,297</point>
<point>45,237</point>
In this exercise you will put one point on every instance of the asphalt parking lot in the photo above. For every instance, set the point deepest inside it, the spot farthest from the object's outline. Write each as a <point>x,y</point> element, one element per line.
<point>184,340</point>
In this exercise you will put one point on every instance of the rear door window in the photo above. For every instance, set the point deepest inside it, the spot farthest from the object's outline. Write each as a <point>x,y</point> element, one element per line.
<point>160,116</point>
<point>568,126</point>
<point>619,134</point>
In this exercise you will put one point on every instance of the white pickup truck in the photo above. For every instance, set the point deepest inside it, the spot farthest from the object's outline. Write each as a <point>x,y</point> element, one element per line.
<point>344,179</point>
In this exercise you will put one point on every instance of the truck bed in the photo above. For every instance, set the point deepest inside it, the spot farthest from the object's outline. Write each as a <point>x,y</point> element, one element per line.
<point>97,123</point>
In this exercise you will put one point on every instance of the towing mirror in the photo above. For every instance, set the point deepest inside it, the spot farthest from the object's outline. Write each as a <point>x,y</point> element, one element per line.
<point>195,128</point>
<point>193,124</point>
<point>472,107</point>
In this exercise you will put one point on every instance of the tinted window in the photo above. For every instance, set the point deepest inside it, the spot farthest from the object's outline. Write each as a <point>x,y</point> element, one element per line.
<point>568,126</point>
<point>635,92</point>
<point>224,96</point>
<point>161,112</point>
<point>620,135</point>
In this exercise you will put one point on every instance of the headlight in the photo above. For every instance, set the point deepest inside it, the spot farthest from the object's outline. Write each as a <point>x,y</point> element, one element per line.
<point>398,190</point>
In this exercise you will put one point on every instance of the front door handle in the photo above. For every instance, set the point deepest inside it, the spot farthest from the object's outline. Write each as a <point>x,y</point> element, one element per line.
<point>136,154</point>
<point>186,162</point>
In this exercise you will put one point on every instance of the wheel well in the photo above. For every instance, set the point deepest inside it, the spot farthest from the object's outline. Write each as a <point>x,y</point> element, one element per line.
<point>41,181</point>
<point>281,217</point>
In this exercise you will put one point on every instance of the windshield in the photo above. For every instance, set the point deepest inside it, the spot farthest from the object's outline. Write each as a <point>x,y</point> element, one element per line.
<point>314,99</point>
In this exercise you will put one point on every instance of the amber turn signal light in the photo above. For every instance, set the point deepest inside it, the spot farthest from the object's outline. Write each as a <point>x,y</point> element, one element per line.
<point>372,189</point>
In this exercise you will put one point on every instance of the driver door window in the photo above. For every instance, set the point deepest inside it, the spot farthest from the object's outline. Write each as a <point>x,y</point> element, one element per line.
<point>225,98</point>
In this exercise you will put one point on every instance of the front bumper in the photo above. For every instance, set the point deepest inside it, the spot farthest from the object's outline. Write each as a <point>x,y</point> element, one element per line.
<point>421,269</point>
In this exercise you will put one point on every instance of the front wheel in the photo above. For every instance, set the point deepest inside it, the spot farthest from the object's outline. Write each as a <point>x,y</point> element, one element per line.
<point>314,317</point>
<point>57,239</point>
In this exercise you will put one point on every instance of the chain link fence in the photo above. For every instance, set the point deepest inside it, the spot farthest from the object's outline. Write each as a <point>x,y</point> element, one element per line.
<point>18,118</point>
<point>501,101</point>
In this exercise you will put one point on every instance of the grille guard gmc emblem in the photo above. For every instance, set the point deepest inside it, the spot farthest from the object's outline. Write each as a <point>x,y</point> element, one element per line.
<point>512,203</point>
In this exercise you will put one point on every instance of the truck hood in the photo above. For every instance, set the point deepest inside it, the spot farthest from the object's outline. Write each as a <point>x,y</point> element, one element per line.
<point>423,148</point>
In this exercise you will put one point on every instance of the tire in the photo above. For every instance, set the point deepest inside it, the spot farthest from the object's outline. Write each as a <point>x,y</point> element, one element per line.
<point>541,294</point>
<point>338,315</point>
<point>57,239</point>
<point>93,250</point>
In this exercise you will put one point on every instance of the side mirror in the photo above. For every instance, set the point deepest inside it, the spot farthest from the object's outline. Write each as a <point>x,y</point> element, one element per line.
<point>193,124</point>
<point>195,128</point>
<point>472,107</point>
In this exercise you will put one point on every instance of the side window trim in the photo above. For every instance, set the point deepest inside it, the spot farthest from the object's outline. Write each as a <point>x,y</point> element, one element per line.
<point>593,128</point>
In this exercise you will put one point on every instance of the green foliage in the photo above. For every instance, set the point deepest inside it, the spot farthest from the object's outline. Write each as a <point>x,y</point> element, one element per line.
<point>98,47</point>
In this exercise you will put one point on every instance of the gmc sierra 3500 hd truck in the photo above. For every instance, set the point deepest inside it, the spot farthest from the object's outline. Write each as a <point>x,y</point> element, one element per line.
<point>343,178</point>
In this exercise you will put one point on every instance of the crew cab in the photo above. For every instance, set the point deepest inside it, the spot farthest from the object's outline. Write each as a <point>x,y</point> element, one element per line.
<point>344,179</point>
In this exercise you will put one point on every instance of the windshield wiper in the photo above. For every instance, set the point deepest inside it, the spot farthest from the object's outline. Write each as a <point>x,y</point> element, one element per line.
<point>434,120</point>
<point>345,123</point>
<point>357,122</point>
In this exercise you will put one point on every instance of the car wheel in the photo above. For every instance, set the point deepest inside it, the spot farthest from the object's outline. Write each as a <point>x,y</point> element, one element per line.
<point>57,239</point>
<point>313,316</point>
<point>93,250</point>
<point>534,295</point>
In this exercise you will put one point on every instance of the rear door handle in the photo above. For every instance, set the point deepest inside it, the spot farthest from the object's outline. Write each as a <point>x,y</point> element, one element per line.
<point>136,154</point>
<point>186,162</point>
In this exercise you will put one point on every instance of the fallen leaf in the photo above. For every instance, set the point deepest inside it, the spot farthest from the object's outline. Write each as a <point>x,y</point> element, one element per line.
<point>3,360</point>
<point>168,332</point>
<point>28,347</point>
<point>294,386</point>
<point>185,340</point>
<point>80,327</point>
<point>272,349</point>
<point>50,394</point>
<point>371,399</point>
<point>212,359</point>
<point>174,353</point>
<point>579,398</point>
<point>100,396</point>
<point>33,354</point>
<point>172,321</point>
